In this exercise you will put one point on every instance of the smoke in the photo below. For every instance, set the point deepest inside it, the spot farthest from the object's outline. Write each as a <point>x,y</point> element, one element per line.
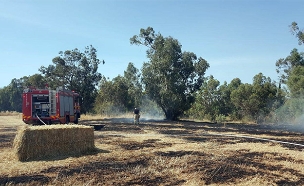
<point>149,110</point>
<point>119,114</point>
<point>151,113</point>
<point>291,115</point>
<point>298,124</point>
<point>151,116</point>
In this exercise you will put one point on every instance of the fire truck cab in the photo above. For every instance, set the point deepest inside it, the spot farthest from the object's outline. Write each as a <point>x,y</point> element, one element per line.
<point>46,106</point>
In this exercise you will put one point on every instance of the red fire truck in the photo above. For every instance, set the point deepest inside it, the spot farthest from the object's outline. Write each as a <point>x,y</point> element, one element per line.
<point>46,106</point>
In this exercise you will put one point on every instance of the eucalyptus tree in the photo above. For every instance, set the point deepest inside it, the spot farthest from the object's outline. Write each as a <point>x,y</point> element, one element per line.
<point>76,70</point>
<point>268,94</point>
<point>207,103</point>
<point>5,104</point>
<point>295,30</point>
<point>256,100</point>
<point>103,101</point>
<point>121,94</point>
<point>295,82</point>
<point>11,96</point>
<point>246,102</point>
<point>291,70</point>
<point>114,96</point>
<point>132,77</point>
<point>36,80</point>
<point>227,107</point>
<point>286,65</point>
<point>296,59</point>
<point>117,94</point>
<point>171,76</point>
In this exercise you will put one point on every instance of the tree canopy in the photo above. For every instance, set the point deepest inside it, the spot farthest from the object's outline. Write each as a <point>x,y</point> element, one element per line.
<point>207,100</point>
<point>286,65</point>
<point>75,70</point>
<point>295,82</point>
<point>121,94</point>
<point>295,30</point>
<point>171,76</point>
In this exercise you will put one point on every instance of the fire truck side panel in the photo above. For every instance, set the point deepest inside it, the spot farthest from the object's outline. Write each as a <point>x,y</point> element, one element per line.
<point>26,107</point>
<point>71,107</point>
<point>66,105</point>
<point>61,107</point>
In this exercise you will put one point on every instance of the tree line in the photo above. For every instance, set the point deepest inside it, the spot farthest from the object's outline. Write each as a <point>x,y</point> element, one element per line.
<point>171,84</point>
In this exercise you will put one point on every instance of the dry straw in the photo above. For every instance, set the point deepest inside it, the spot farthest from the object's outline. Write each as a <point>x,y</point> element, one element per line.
<point>41,142</point>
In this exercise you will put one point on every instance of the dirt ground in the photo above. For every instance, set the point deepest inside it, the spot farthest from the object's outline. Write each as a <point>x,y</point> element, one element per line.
<point>165,153</point>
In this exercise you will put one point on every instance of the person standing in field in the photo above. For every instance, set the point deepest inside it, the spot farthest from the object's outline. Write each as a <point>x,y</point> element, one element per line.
<point>136,116</point>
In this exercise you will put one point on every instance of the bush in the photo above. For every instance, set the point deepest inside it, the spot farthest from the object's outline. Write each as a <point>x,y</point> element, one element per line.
<point>220,118</point>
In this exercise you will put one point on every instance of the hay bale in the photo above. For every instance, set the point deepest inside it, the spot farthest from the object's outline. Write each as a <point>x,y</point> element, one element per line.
<point>41,142</point>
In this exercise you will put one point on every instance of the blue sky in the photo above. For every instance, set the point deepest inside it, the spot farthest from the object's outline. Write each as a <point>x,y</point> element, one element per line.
<point>239,38</point>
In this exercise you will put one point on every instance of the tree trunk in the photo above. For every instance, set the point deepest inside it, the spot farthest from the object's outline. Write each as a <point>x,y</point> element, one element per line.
<point>171,115</point>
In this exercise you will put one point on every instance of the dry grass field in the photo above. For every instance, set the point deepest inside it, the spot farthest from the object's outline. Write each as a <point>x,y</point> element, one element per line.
<point>164,153</point>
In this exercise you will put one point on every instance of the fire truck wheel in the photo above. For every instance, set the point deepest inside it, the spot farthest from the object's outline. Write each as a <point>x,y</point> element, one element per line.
<point>76,120</point>
<point>67,120</point>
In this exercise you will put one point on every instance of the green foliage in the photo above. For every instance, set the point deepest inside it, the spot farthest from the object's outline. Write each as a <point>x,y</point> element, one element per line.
<point>213,100</point>
<point>195,112</point>
<point>226,105</point>
<point>220,118</point>
<point>36,80</point>
<point>244,100</point>
<point>112,96</point>
<point>15,89</point>
<point>121,94</point>
<point>258,99</point>
<point>75,70</point>
<point>5,104</point>
<point>295,82</point>
<point>295,30</point>
<point>285,65</point>
<point>291,112</point>
<point>11,96</point>
<point>267,93</point>
<point>132,77</point>
<point>208,100</point>
<point>171,76</point>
